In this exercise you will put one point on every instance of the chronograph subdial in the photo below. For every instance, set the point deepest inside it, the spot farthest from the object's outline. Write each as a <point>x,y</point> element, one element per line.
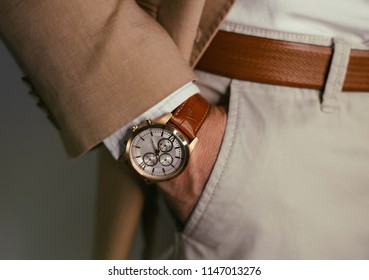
<point>150,159</point>
<point>165,145</point>
<point>166,159</point>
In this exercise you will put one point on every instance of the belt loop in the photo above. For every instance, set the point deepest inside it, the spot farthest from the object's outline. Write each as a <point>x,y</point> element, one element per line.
<point>336,76</point>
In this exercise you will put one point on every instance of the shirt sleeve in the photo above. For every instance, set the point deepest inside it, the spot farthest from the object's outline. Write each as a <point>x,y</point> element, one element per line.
<point>114,142</point>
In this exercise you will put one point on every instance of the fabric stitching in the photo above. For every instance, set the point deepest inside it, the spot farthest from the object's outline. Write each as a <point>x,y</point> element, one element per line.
<point>288,36</point>
<point>334,85</point>
<point>311,39</point>
<point>180,108</point>
<point>330,95</point>
<point>340,75</point>
<point>203,119</point>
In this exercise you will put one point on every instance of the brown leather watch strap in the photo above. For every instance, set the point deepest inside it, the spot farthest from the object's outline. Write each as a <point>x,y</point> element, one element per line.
<point>190,115</point>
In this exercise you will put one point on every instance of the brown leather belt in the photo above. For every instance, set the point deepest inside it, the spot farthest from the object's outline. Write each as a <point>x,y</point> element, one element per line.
<point>278,62</point>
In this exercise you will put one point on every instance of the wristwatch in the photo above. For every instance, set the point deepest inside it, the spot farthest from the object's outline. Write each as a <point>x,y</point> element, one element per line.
<point>159,150</point>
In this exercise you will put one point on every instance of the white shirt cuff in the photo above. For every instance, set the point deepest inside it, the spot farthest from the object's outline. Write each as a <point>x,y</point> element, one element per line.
<point>114,142</point>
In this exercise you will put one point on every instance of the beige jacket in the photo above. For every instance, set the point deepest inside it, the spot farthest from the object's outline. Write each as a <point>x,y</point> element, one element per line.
<point>96,65</point>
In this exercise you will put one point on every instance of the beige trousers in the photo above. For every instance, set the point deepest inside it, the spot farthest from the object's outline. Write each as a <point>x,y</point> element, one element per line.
<point>292,177</point>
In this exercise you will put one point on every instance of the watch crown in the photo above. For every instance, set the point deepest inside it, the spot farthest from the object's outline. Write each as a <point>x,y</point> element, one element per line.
<point>134,128</point>
<point>148,121</point>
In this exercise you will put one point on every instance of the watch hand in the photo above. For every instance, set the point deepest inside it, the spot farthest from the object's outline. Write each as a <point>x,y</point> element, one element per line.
<point>153,145</point>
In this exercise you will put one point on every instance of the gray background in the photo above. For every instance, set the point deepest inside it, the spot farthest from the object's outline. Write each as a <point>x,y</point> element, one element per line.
<point>47,202</point>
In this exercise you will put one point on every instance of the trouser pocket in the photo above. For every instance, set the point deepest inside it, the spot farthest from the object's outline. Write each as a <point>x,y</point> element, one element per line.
<point>290,182</point>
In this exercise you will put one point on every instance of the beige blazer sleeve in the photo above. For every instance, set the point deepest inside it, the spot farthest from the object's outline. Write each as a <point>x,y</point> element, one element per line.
<point>95,64</point>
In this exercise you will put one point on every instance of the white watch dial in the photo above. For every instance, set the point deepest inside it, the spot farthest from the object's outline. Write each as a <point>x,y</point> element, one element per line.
<point>158,152</point>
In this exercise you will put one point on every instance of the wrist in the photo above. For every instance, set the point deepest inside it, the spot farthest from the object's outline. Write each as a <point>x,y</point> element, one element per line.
<point>183,192</point>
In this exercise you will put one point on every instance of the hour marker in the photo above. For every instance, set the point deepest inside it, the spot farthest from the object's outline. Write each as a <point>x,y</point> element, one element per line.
<point>138,156</point>
<point>162,133</point>
<point>143,165</point>
<point>138,147</point>
<point>178,157</point>
<point>172,166</point>
<point>152,171</point>
<point>171,138</point>
<point>151,133</point>
<point>163,170</point>
<point>178,147</point>
<point>142,138</point>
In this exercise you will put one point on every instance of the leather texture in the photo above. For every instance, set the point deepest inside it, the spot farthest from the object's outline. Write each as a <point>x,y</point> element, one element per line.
<point>279,62</point>
<point>190,115</point>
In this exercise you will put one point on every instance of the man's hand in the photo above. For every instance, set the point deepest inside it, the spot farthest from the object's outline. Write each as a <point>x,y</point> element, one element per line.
<point>183,192</point>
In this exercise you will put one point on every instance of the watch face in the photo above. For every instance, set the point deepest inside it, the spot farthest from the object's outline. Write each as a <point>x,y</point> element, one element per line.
<point>158,152</point>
